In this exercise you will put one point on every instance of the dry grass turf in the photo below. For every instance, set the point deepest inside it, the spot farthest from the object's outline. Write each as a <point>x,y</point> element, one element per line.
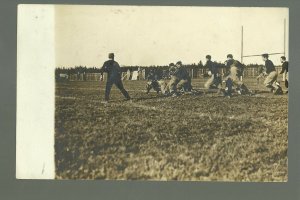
<point>205,137</point>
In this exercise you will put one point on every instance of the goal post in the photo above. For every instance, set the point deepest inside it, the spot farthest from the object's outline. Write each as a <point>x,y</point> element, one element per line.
<point>277,53</point>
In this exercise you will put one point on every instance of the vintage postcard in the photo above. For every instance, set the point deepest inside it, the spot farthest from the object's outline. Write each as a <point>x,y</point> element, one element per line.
<point>152,93</point>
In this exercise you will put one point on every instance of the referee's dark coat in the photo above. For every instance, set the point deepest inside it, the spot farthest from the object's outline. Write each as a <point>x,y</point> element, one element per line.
<point>113,69</point>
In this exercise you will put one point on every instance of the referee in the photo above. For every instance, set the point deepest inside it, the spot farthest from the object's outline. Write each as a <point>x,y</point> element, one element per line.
<point>113,70</point>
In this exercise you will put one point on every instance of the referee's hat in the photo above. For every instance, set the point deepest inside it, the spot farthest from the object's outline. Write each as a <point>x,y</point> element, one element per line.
<point>111,55</point>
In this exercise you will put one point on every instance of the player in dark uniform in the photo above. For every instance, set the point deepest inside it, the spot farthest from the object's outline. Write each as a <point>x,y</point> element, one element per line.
<point>228,88</point>
<point>155,81</point>
<point>171,87</point>
<point>215,78</point>
<point>270,74</point>
<point>185,83</point>
<point>234,70</point>
<point>285,69</point>
<point>234,67</point>
<point>180,79</point>
<point>113,70</point>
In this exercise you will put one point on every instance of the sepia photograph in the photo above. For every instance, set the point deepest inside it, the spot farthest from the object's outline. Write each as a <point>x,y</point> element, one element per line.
<point>166,93</point>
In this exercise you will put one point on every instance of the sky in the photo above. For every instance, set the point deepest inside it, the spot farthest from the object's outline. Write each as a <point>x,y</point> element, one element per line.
<point>159,35</point>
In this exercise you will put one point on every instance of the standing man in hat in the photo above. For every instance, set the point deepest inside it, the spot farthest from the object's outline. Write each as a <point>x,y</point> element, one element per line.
<point>113,70</point>
<point>270,74</point>
<point>285,69</point>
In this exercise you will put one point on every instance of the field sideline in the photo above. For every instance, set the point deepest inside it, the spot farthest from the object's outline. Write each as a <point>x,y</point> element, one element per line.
<point>205,137</point>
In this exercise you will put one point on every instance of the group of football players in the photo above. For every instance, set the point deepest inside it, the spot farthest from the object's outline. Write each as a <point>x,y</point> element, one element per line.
<point>180,80</point>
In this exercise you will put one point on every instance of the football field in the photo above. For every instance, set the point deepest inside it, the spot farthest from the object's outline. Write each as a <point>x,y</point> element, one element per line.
<point>191,137</point>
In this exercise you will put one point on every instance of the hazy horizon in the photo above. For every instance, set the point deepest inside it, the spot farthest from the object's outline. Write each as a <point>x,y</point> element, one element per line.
<point>159,35</point>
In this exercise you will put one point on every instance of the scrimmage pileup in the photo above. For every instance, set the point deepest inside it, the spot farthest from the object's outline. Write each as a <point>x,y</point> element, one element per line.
<point>179,81</point>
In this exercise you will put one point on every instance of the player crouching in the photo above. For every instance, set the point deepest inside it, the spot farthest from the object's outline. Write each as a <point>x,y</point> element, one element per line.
<point>180,82</point>
<point>156,83</point>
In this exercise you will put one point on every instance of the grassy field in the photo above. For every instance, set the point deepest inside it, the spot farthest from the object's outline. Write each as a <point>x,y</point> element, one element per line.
<point>205,137</point>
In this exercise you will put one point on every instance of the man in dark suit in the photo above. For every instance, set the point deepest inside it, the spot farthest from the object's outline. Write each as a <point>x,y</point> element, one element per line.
<point>113,70</point>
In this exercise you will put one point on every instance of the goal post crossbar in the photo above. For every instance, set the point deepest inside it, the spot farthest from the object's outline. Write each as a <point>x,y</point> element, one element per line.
<point>261,55</point>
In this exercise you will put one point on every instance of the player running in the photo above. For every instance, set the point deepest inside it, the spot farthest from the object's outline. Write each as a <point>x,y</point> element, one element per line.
<point>112,68</point>
<point>215,78</point>
<point>269,72</point>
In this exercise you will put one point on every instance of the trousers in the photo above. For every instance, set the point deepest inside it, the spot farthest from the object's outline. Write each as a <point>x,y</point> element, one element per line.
<point>271,79</point>
<point>118,82</point>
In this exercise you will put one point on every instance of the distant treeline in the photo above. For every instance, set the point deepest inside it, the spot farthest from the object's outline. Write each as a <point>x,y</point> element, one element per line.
<point>85,69</point>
